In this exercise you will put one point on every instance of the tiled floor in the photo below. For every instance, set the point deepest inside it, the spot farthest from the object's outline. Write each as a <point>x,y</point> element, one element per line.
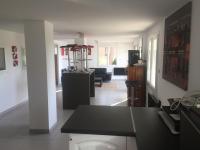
<point>111,93</point>
<point>14,126</point>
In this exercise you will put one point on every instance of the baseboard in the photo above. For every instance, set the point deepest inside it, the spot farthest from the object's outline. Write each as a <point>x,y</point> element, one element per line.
<point>2,114</point>
<point>42,131</point>
<point>31,131</point>
<point>39,131</point>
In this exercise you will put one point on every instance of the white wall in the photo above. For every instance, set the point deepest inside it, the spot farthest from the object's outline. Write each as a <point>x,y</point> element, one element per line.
<point>52,104</point>
<point>94,55</point>
<point>194,76</point>
<point>122,52</point>
<point>164,88</point>
<point>13,80</point>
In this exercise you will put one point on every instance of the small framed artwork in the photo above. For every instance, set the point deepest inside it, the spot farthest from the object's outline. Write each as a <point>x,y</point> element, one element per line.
<point>2,59</point>
<point>15,56</point>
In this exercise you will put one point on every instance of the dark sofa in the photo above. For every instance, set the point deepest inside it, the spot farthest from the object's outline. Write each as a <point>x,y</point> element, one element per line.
<point>122,71</point>
<point>102,72</point>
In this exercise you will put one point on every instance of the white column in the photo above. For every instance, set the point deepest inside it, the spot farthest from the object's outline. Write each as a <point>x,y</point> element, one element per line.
<point>41,75</point>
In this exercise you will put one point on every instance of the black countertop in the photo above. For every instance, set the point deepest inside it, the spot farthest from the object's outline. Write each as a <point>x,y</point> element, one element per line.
<point>101,120</point>
<point>151,132</point>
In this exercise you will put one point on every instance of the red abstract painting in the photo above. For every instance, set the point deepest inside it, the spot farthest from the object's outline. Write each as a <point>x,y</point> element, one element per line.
<point>177,47</point>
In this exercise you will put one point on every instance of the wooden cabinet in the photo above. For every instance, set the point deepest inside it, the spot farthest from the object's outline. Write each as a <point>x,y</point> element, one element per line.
<point>101,142</point>
<point>137,73</point>
<point>136,85</point>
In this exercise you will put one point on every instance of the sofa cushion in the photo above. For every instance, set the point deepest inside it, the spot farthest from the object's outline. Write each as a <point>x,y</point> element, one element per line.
<point>100,70</point>
<point>120,71</point>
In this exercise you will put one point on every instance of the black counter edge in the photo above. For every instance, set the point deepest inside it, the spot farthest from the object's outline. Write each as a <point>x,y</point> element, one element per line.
<point>130,134</point>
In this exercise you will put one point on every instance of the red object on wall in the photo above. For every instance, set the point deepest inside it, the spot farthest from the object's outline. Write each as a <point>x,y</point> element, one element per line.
<point>15,56</point>
<point>15,63</point>
<point>62,51</point>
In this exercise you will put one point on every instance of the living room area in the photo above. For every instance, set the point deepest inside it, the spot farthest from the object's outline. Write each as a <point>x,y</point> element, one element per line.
<point>109,59</point>
<point>63,71</point>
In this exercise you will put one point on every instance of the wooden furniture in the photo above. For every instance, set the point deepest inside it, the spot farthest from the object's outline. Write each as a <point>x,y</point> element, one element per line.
<point>136,85</point>
<point>137,73</point>
<point>78,87</point>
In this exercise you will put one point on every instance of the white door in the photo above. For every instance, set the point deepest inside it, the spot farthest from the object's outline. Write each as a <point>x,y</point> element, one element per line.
<point>96,142</point>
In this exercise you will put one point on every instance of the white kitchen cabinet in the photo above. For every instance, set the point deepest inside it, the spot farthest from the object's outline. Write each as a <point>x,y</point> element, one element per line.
<point>100,142</point>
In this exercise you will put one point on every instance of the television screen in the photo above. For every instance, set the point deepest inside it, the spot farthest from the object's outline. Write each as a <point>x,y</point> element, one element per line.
<point>2,59</point>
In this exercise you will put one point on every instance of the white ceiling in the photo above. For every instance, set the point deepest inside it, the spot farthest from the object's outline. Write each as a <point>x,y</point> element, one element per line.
<point>92,17</point>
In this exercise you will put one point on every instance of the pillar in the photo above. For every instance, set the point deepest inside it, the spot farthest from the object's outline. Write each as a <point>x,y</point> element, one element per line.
<point>41,75</point>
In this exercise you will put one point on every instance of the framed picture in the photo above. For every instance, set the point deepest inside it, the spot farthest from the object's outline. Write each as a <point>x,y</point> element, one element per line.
<point>2,59</point>
<point>177,47</point>
<point>15,56</point>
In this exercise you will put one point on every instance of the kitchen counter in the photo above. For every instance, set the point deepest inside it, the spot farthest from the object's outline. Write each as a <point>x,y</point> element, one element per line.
<point>151,132</point>
<point>100,120</point>
<point>144,123</point>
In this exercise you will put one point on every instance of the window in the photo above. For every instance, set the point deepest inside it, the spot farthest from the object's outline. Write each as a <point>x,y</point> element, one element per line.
<point>107,56</point>
<point>55,49</point>
<point>151,62</point>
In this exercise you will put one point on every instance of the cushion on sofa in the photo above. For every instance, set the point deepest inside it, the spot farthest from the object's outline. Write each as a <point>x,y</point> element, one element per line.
<point>100,70</point>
